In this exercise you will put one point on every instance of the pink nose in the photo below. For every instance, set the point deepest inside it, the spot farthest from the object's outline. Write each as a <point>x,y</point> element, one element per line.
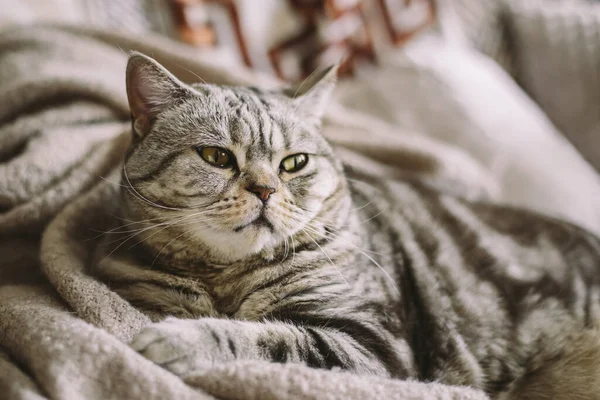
<point>261,191</point>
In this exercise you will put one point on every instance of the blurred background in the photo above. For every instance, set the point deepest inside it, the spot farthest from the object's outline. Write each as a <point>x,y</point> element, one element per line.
<point>551,48</point>
<point>289,38</point>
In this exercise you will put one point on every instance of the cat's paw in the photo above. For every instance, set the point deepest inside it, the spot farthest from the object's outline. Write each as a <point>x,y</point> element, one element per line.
<point>179,345</point>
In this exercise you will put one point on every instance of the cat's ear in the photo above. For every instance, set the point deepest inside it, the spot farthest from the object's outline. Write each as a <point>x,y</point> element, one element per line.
<point>314,93</point>
<point>150,90</point>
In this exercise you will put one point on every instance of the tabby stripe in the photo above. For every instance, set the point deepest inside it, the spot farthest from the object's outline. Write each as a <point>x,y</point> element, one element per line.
<point>216,337</point>
<point>241,98</point>
<point>587,309</point>
<point>231,345</point>
<point>124,283</point>
<point>264,119</point>
<point>477,258</point>
<point>164,164</point>
<point>430,237</point>
<point>419,331</point>
<point>286,138</point>
<point>260,133</point>
<point>303,178</point>
<point>190,184</point>
<point>278,351</point>
<point>148,303</point>
<point>251,123</point>
<point>277,127</point>
<point>271,133</point>
<point>482,263</point>
<point>238,112</point>
<point>368,337</point>
<point>281,279</point>
<point>377,226</point>
<point>312,358</point>
<point>252,132</point>
<point>431,338</point>
<point>328,353</point>
<point>311,290</point>
<point>593,305</point>
<point>235,129</point>
<point>339,190</point>
<point>300,344</point>
<point>194,194</point>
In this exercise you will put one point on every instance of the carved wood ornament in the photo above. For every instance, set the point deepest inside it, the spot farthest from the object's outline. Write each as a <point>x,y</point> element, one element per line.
<point>330,30</point>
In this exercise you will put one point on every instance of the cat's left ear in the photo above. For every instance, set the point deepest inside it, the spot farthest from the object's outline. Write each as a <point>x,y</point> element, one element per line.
<point>151,89</point>
<point>314,93</point>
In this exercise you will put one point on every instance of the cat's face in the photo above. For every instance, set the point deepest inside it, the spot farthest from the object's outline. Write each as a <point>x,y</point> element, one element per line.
<point>234,170</point>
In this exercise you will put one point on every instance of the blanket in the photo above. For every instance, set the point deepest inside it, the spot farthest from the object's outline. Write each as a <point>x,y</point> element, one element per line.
<point>64,128</point>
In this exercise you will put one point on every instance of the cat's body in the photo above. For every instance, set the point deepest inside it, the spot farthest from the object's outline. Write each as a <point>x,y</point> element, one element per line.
<point>377,277</point>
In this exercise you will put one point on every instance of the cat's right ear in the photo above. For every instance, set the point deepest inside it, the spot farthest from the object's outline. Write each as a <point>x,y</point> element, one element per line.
<point>150,90</point>
<point>313,94</point>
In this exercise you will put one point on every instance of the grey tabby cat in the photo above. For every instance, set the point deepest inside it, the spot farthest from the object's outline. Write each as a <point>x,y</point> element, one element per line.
<point>254,242</point>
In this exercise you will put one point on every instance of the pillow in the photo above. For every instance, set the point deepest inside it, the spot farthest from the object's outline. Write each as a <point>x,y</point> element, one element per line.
<point>557,57</point>
<point>481,23</point>
<point>459,96</point>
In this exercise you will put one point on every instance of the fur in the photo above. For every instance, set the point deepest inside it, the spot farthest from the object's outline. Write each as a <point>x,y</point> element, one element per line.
<point>335,269</point>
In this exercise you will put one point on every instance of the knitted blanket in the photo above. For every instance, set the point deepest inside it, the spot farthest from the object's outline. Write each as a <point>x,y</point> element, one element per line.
<point>63,132</point>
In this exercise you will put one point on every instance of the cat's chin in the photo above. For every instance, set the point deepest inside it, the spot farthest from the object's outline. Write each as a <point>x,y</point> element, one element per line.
<point>254,239</point>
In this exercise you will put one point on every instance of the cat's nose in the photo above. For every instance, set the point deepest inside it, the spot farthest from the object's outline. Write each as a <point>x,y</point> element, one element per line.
<point>261,191</point>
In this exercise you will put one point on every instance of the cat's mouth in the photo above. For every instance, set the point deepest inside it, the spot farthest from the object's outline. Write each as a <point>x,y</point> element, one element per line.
<point>260,222</point>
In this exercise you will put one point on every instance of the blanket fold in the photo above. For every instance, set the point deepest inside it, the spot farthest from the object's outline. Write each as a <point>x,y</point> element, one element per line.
<point>63,132</point>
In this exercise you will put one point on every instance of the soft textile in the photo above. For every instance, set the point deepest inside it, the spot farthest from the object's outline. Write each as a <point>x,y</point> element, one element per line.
<point>482,25</point>
<point>557,53</point>
<point>63,131</point>
<point>550,47</point>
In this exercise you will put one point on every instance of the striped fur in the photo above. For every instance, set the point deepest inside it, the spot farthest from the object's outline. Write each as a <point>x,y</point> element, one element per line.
<point>377,277</point>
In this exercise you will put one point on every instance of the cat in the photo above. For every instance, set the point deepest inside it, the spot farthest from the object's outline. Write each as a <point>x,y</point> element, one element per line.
<point>256,242</point>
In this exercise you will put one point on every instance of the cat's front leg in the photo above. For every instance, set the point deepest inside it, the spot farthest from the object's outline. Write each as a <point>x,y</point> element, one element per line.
<point>186,345</point>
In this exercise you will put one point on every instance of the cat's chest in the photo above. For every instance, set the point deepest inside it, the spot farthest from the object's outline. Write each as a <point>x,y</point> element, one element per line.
<point>257,294</point>
<point>239,297</point>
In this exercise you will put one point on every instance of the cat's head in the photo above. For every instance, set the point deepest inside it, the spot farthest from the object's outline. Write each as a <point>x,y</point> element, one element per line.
<point>234,171</point>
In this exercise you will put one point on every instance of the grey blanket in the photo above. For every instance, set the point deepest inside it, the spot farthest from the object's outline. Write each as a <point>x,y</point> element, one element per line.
<point>63,131</point>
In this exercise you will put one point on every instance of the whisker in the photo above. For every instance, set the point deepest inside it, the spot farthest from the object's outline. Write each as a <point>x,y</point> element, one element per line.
<point>171,223</point>
<point>139,195</point>
<point>181,219</point>
<point>364,183</point>
<point>293,250</point>
<point>113,182</point>
<point>331,229</point>
<point>191,72</point>
<point>117,231</point>
<point>304,81</point>
<point>326,255</point>
<point>371,259</point>
<point>167,245</point>
<point>124,241</point>
<point>363,206</point>
<point>286,248</point>
<point>372,217</point>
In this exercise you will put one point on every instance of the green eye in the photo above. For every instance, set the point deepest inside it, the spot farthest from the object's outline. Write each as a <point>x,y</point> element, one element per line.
<point>294,163</point>
<point>216,156</point>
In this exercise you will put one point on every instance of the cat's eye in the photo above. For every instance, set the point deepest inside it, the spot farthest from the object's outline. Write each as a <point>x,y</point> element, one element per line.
<point>294,162</point>
<point>216,156</point>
